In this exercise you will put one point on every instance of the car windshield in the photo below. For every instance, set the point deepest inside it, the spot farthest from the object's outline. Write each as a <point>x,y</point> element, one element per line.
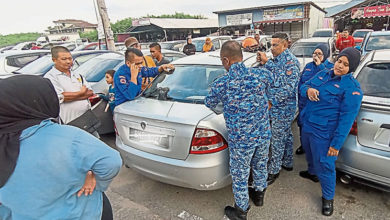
<point>94,69</point>
<point>322,34</point>
<point>374,81</point>
<point>302,49</point>
<point>167,46</point>
<point>189,83</point>
<point>198,44</point>
<point>37,67</point>
<point>378,43</point>
<point>360,34</point>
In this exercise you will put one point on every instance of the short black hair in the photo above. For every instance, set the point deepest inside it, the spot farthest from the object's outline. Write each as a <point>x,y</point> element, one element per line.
<point>110,72</point>
<point>346,29</point>
<point>155,44</point>
<point>57,49</point>
<point>130,52</point>
<point>280,35</point>
<point>231,49</point>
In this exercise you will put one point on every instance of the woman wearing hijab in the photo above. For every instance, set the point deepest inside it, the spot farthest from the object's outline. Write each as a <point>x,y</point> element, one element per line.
<point>208,46</point>
<point>189,48</point>
<point>43,165</point>
<point>320,62</point>
<point>334,102</point>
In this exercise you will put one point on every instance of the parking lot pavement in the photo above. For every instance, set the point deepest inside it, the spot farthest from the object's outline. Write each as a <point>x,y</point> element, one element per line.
<point>134,196</point>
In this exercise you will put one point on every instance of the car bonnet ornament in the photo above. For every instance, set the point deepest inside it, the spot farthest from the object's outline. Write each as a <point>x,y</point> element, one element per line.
<point>143,125</point>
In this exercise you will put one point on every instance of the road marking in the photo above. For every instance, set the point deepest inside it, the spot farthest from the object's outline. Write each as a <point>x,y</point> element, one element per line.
<point>188,216</point>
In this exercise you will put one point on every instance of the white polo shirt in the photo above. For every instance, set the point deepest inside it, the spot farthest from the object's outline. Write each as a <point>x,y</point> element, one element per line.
<point>63,83</point>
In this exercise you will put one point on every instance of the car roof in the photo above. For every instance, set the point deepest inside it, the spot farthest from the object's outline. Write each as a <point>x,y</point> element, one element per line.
<point>111,55</point>
<point>383,55</point>
<point>363,30</point>
<point>325,29</point>
<point>315,39</point>
<point>163,51</point>
<point>380,33</point>
<point>20,52</point>
<point>210,58</point>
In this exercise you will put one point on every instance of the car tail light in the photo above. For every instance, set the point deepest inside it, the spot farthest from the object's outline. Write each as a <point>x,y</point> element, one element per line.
<point>207,141</point>
<point>354,129</point>
<point>94,99</point>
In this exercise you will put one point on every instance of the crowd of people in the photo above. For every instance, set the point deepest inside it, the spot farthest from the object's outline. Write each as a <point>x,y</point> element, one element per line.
<point>259,105</point>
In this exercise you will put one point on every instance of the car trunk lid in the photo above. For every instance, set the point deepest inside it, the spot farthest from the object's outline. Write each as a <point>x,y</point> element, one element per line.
<point>162,128</point>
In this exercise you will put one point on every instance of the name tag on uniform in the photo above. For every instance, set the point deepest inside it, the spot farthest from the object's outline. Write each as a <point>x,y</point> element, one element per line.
<point>337,85</point>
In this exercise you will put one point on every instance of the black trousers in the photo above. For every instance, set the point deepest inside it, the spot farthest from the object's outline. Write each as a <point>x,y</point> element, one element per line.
<point>107,209</point>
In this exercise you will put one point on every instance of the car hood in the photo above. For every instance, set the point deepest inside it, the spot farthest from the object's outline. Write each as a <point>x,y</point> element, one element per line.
<point>176,112</point>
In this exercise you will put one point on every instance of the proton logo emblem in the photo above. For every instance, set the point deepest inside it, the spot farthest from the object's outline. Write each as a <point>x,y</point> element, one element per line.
<point>143,125</point>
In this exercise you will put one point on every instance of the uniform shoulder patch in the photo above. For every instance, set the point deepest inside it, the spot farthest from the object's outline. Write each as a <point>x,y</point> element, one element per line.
<point>289,72</point>
<point>356,93</point>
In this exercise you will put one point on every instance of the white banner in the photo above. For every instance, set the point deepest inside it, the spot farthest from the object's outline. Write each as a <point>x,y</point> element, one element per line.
<point>239,19</point>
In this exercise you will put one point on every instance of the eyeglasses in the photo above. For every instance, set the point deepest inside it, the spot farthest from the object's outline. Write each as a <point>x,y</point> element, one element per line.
<point>318,54</point>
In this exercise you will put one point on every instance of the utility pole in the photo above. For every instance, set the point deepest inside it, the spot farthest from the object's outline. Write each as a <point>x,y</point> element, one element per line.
<point>106,25</point>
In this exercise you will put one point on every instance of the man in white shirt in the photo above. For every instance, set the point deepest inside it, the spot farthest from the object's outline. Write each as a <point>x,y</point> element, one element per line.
<point>73,91</point>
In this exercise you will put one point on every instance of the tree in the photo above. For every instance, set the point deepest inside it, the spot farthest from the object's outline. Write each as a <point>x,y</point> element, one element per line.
<point>178,15</point>
<point>121,26</point>
<point>12,39</point>
<point>91,35</point>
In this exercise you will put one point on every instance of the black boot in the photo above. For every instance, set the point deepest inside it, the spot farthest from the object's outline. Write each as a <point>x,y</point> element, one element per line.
<point>257,196</point>
<point>299,150</point>
<point>235,213</point>
<point>287,168</point>
<point>327,207</point>
<point>307,175</point>
<point>271,178</point>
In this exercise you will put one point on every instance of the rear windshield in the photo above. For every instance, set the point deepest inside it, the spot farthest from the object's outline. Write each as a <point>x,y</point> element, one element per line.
<point>38,67</point>
<point>374,80</point>
<point>322,34</point>
<point>304,49</point>
<point>360,34</point>
<point>95,69</point>
<point>378,43</point>
<point>189,83</point>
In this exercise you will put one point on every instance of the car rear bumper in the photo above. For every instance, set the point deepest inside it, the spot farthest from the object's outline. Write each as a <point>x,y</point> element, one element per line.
<point>365,163</point>
<point>201,172</point>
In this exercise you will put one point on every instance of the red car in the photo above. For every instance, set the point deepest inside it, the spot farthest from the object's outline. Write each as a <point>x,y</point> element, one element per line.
<point>359,34</point>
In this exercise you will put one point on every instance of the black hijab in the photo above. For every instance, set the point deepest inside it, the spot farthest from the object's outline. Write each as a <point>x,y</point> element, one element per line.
<point>353,56</point>
<point>25,100</point>
<point>325,50</point>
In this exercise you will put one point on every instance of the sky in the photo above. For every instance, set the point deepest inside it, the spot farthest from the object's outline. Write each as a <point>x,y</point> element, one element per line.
<point>20,16</point>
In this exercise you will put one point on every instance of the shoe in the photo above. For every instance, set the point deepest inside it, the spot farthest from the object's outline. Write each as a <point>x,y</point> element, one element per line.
<point>307,175</point>
<point>235,213</point>
<point>299,150</point>
<point>327,207</point>
<point>257,196</point>
<point>287,168</point>
<point>271,178</point>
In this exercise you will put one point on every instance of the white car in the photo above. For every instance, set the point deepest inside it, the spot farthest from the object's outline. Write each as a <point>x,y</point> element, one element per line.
<point>13,60</point>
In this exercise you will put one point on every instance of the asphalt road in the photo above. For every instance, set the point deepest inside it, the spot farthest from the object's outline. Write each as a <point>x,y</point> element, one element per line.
<point>134,196</point>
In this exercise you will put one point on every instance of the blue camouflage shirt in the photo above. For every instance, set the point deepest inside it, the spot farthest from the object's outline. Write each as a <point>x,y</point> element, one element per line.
<point>125,90</point>
<point>283,91</point>
<point>242,92</point>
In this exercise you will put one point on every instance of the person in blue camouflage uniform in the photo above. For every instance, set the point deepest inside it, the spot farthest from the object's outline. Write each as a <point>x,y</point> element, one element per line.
<point>242,92</point>
<point>283,100</point>
<point>334,99</point>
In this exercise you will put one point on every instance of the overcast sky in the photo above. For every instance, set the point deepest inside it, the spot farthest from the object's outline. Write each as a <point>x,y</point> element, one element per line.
<point>18,16</point>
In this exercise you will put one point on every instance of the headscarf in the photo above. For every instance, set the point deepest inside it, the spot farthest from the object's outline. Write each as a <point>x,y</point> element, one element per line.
<point>188,38</point>
<point>25,100</point>
<point>325,50</point>
<point>353,56</point>
<point>207,47</point>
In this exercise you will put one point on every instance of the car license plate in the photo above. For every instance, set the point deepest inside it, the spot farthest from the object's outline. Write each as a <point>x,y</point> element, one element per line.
<point>149,138</point>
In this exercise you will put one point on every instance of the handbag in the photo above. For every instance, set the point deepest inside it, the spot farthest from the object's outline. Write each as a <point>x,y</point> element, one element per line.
<point>87,121</point>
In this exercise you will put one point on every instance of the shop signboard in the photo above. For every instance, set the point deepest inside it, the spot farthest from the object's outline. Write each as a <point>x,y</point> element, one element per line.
<point>141,22</point>
<point>284,13</point>
<point>373,11</point>
<point>239,19</point>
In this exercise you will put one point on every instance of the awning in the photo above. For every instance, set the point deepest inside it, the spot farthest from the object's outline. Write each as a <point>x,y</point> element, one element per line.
<point>280,21</point>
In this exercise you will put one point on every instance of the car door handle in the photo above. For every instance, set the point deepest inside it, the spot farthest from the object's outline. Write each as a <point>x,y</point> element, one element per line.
<point>387,126</point>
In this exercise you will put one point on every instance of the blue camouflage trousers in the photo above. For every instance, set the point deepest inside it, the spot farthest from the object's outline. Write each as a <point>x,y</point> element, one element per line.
<point>242,160</point>
<point>281,145</point>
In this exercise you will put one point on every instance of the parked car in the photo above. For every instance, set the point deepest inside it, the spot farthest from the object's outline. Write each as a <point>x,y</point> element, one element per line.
<point>303,49</point>
<point>6,48</point>
<point>365,156</point>
<point>168,134</point>
<point>173,45</point>
<point>216,40</point>
<point>23,46</point>
<point>91,46</point>
<point>42,65</point>
<point>171,55</point>
<point>12,60</point>
<point>324,32</point>
<point>376,40</point>
<point>49,45</point>
<point>359,34</point>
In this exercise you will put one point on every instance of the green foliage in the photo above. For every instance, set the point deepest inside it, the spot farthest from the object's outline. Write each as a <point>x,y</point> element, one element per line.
<point>121,26</point>
<point>92,35</point>
<point>12,39</point>
<point>178,15</point>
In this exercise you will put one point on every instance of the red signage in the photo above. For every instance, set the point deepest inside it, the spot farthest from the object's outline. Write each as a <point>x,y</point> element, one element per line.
<point>373,11</point>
